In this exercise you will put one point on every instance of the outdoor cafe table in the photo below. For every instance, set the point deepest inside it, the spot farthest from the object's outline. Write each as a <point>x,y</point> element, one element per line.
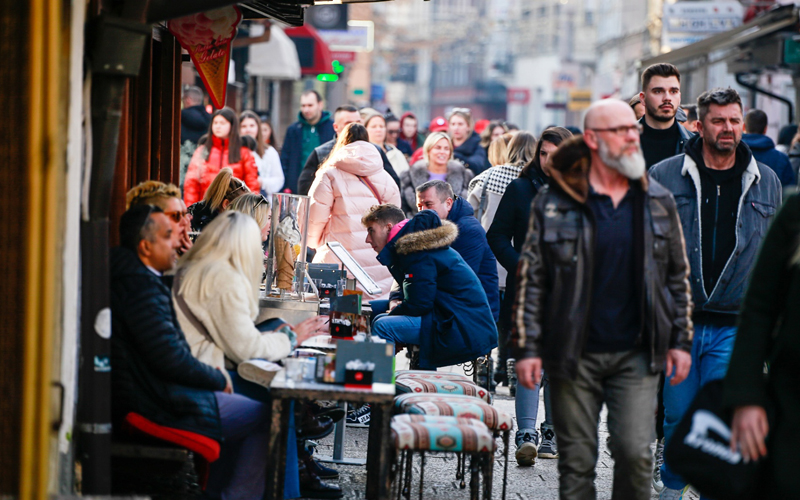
<point>379,446</point>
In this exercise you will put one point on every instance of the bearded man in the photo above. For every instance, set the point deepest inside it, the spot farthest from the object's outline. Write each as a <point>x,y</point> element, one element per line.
<point>603,301</point>
<point>726,200</point>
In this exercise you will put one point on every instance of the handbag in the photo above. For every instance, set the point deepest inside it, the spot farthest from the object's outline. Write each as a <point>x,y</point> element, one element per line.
<point>365,180</point>
<point>699,450</point>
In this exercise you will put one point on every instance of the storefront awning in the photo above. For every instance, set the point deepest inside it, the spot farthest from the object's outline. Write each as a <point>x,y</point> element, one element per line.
<point>276,59</point>
<point>315,56</point>
<point>724,45</point>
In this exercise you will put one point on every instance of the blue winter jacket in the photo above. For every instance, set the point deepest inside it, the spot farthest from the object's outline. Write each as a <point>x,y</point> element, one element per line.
<point>764,150</point>
<point>439,287</point>
<point>153,370</point>
<point>472,154</point>
<point>292,158</point>
<point>471,244</point>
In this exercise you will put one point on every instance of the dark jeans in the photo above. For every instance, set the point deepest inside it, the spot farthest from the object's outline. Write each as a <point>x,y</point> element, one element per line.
<point>240,472</point>
<point>624,383</point>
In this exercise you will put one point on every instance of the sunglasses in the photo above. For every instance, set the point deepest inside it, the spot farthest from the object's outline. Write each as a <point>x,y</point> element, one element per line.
<point>262,200</point>
<point>177,216</point>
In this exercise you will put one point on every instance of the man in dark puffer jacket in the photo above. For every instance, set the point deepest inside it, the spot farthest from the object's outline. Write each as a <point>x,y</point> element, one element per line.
<point>155,374</point>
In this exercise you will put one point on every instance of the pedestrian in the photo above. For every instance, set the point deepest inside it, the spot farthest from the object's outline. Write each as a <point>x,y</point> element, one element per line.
<point>223,190</point>
<point>350,181</point>
<point>770,305</point>
<point>195,121</point>
<point>763,149</point>
<point>312,128</point>
<point>661,136</point>
<point>498,153</point>
<point>492,131</point>
<point>726,201</point>
<point>785,136</point>
<point>168,198</point>
<point>375,124</point>
<point>268,134</point>
<point>393,136</point>
<point>438,164</point>
<point>466,141</point>
<point>691,117</point>
<point>471,241</point>
<point>637,106</point>
<point>410,132</point>
<point>270,172</point>
<point>508,226</point>
<point>438,124</point>
<point>444,309</point>
<point>223,148</point>
<point>603,300</point>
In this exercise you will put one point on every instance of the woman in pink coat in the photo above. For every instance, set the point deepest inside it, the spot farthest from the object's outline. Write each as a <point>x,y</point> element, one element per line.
<point>350,181</point>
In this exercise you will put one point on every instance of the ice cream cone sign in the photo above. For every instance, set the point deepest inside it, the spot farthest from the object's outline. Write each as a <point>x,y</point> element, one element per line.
<point>207,37</point>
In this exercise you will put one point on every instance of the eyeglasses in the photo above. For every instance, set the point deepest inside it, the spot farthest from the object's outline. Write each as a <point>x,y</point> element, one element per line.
<point>622,130</point>
<point>177,216</point>
<point>393,132</point>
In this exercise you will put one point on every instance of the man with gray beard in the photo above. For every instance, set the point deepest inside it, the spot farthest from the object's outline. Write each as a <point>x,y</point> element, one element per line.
<point>726,200</point>
<point>603,300</point>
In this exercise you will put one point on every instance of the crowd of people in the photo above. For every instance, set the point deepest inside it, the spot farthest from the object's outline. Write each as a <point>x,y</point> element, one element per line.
<point>627,264</point>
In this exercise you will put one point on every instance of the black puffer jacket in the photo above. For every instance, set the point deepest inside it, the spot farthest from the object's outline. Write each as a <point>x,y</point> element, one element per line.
<point>472,154</point>
<point>154,373</point>
<point>554,287</point>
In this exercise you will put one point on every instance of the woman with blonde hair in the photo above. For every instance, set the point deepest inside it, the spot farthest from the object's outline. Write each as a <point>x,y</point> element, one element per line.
<point>498,151</point>
<point>257,207</point>
<point>466,142</point>
<point>438,163</point>
<point>168,198</point>
<point>223,190</point>
<point>350,181</point>
<point>493,130</point>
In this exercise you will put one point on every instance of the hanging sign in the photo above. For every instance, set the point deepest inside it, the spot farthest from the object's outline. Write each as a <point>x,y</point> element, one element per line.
<point>207,37</point>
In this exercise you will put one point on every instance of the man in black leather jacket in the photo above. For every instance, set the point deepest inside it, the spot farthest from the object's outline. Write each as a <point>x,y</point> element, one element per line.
<point>603,300</point>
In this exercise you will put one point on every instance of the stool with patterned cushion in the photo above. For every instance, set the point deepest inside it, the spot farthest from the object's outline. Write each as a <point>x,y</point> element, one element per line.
<point>463,436</point>
<point>421,385</point>
<point>450,405</point>
<point>431,375</point>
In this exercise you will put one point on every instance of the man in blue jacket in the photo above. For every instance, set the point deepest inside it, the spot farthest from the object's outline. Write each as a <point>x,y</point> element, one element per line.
<point>755,126</point>
<point>471,243</point>
<point>444,309</point>
<point>155,374</point>
<point>312,128</point>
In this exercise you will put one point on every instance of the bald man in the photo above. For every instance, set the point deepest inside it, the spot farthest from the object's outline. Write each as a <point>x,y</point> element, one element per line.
<point>603,301</point>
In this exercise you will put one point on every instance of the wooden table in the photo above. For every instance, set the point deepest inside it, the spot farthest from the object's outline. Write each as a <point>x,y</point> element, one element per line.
<point>379,447</point>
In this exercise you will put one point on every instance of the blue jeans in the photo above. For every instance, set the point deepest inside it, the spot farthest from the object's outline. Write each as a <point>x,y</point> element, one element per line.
<point>711,352</point>
<point>398,329</point>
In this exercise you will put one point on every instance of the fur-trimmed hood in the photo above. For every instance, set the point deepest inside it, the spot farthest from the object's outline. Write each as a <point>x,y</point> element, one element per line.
<point>427,239</point>
<point>570,165</point>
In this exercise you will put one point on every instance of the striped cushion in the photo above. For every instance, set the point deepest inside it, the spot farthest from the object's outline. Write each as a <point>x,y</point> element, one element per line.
<point>407,418</point>
<point>441,434</point>
<point>423,385</point>
<point>455,406</point>
<point>429,375</point>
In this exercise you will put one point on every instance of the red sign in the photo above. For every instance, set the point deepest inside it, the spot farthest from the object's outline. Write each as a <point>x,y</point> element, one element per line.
<point>518,96</point>
<point>343,57</point>
<point>207,37</point>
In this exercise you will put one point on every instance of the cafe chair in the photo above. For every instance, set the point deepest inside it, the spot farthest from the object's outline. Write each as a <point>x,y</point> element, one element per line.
<point>426,374</point>
<point>160,461</point>
<point>464,436</point>
<point>452,405</point>
<point>434,385</point>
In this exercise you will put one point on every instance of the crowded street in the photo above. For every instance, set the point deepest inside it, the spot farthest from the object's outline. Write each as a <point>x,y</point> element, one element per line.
<point>400,249</point>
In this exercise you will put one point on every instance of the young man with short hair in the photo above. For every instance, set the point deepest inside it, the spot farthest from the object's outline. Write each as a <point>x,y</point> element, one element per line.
<point>662,136</point>
<point>726,201</point>
<point>312,128</point>
<point>763,148</point>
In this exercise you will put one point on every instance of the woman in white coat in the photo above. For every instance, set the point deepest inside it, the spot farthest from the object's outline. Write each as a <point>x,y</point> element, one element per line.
<point>350,181</point>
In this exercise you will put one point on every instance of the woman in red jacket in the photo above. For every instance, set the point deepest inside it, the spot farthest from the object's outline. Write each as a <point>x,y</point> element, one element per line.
<point>222,149</point>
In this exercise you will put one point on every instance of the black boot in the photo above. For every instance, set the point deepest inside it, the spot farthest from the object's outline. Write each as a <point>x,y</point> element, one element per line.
<point>311,486</point>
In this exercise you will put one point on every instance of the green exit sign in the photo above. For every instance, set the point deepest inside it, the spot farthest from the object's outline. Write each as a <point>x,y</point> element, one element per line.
<point>791,51</point>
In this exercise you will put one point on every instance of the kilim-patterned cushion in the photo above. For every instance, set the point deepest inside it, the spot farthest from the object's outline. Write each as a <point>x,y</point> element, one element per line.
<point>410,419</point>
<point>424,385</point>
<point>454,406</point>
<point>442,435</point>
<point>430,375</point>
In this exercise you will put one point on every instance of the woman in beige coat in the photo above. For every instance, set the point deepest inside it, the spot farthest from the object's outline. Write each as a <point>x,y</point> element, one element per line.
<point>350,181</point>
